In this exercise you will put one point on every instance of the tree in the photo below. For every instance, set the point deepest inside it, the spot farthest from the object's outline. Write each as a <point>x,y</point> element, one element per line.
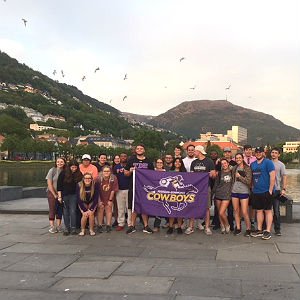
<point>10,144</point>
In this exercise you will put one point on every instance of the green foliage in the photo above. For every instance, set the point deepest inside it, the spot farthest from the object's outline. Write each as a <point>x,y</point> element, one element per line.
<point>151,139</point>
<point>11,126</point>
<point>216,148</point>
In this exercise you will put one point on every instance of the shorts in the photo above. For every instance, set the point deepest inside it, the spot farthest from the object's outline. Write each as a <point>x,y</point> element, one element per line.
<point>240,196</point>
<point>263,201</point>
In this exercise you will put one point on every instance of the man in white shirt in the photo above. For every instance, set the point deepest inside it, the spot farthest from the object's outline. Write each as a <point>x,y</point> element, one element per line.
<point>189,158</point>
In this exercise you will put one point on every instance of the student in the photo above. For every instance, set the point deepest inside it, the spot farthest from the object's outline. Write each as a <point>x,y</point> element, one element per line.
<point>242,178</point>
<point>108,184</point>
<point>168,162</point>
<point>178,166</point>
<point>137,161</point>
<point>177,151</point>
<point>66,190</point>
<point>87,199</point>
<point>102,161</point>
<point>190,157</point>
<point>222,192</point>
<point>55,207</point>
<point>87,167</point>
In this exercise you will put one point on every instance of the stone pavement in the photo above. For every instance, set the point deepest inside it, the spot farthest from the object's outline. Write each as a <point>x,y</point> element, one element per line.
<point>35,264</point>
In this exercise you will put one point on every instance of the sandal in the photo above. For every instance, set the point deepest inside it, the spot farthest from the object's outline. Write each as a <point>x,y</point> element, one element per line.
<point>81,233</point>
<point>92,233</point>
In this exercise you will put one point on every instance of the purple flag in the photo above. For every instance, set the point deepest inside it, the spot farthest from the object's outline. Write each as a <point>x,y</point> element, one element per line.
<point>170,194</point>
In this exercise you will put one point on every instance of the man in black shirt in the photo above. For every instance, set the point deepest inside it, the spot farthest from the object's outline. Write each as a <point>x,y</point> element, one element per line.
<point>138,161</point>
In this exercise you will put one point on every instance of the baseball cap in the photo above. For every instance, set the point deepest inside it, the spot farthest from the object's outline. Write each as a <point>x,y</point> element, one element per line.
<point>227,149</point>
<point>86,156</point>
<point>259,149</point>
<point>200,149</point>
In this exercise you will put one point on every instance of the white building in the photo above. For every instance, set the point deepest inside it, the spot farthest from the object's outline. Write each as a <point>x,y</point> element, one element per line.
<point>238,134</point>
<point>291,147</point>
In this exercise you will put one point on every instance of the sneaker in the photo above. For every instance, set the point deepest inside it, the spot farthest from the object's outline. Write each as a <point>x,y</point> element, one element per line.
<point>108,228</point>
<point>266,235</point>
<point>237,231</point>
<point>73,232</point>
<point>216,227</point>
<point>82,232</point>
<point>200,227</point>
<point>66,232</point>
<point>115,223</point>
<point>223,229</point>
<point>130,230</point>
<point>257,233</point>
<point>278,232</point>
<point>170,230</point>
<point>100,229</point>
<point>59,228</point>
<point>247,233</point>
<point>179,230</point>
<point>207,231</point>
<point>147,229</point>
<point>227,229</point>
<point>189,230</point>
<point>52,229</point>
<point>119,228</point>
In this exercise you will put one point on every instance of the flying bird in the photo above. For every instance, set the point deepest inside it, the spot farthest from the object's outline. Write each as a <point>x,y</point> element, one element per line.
<point>97,69</point>
<point>181,59</point>
<point>192,88</point>
<point>125,77</point>
<point>62,73</point>
<point>83,78</point>
<point>25,22</point>
<point>110,100</point>
<point>228,87</point>
<point>54,72</point>
<point>125,97</point>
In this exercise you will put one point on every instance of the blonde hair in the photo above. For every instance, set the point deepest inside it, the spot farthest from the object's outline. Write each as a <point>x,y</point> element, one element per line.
<point>82,186</point>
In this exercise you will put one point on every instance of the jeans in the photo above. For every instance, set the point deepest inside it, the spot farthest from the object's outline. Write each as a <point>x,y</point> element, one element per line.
<point>276,210</point>
<point>70,211</point>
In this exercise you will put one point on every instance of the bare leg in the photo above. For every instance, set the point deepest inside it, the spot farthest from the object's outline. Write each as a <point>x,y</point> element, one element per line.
<point>100,214</point>
<point>236,210</point>
<point>145,220</point>
<point>244,207</point>
<point>269,219</point>
<point>207,218</point>
<point>260,219</point>
<point>108,213</point>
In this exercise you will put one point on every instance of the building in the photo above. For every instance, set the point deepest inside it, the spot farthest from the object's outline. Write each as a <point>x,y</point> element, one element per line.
<point>222,144</point>
<point>55,118</point>
<point>291,147</point>
<point>37,127</point>
<point>238,134</point>
<point>208,136</point>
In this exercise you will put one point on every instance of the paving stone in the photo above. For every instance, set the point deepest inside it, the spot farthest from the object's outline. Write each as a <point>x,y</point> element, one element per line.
<point>288,247</point>
<point>297,268</point>
<point>91,269</point>
<point>270,290</point>
<point>188,286</point>
<point>7,259</point>
<point>284,258</point>
<point>238,255</point>
<point>118,284</point>
<point>115,250</point>
<point>43,263</point>
<point>98,296</point>
<point>139,267</point>
<point>200,298</point>
<point>201,254</point>
<point>24,238</point>
<point>93,257</point>
<point>37,295</point>
<point>5,244</point>
<point>26,280</point>
<point>45,249</point>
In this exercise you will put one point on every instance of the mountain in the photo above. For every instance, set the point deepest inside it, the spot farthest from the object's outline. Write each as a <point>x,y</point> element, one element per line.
<point>23,86</point>
<point>191,118</point>
<point>137,118</point>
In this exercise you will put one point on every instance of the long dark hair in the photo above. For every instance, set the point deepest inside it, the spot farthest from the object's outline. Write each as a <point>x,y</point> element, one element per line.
<point>69,175</point>
<point>182,167</point>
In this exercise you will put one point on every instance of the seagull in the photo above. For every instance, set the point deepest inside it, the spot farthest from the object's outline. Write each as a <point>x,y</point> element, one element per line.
<point>125,97</point>
<point>25,22</point>
<point>166,87</point>
<point>62,73</point>
<point>228,87</point>
<point>125,77</point>
<point>110,100</point>
<point>181,59</point>
<point>83,78</point>
<point>97,69</point>
<point>192,88</point>
<point>54,72</point>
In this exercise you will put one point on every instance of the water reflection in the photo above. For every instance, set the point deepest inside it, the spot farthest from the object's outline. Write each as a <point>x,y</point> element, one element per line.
<point>34,175</point>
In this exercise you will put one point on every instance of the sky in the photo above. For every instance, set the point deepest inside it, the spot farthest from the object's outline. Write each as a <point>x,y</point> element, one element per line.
<point>251,46</point>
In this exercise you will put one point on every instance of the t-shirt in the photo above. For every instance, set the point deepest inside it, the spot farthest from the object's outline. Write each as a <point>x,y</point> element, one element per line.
<point>223,185</point>
<point>261,176</point>
<point>187,163</point>
<point>53,174</point>
<point>280,171</point>
<point>238,186</point>
<point>100,167</point>
<point>107,186</point>
<point>89,169</point>
<point>138,164</point>
<point>123,180</point>
<point>204,165</point>
<point>90,202</point>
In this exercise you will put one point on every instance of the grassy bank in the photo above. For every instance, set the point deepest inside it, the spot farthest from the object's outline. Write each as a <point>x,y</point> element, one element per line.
<point>25,163</point>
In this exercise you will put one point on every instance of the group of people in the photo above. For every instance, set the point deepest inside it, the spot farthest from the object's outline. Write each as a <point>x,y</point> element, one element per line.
<point>248,186</point>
